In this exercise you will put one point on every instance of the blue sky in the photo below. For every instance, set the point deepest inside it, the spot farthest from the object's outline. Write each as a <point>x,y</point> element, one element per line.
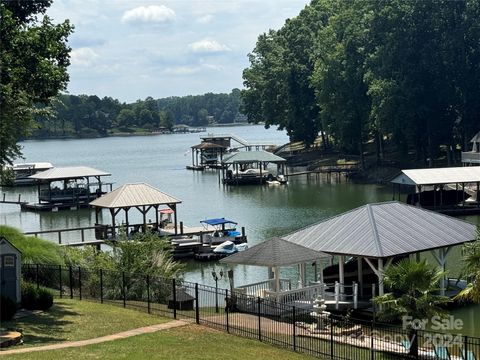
<point>131,49</point>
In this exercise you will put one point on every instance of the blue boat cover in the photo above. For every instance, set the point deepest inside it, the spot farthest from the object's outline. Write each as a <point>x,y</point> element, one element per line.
<point>219,221</point>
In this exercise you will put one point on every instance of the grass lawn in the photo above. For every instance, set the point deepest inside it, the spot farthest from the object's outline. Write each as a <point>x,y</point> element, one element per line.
<point>188,342</point>
<point>70,320</point>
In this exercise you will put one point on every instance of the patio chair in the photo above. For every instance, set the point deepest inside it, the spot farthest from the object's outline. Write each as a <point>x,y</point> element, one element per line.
<point>441,353</point>
<point>468,355</point>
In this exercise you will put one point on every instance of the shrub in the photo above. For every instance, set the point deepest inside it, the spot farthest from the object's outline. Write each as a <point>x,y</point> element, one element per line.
<point>36,299</point>
<point>29,296</point>
<point>44,299</point>
<point>8,308</point>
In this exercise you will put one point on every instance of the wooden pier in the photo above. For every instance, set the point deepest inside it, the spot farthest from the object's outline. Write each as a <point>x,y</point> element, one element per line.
<point>13,202</point>
<point>184,244</point>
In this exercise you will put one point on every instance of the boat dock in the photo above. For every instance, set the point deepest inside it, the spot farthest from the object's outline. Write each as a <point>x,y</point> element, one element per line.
<point>188,242</point>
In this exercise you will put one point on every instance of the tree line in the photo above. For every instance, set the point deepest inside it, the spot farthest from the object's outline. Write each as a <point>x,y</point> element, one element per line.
<point>396,71</point>
<point>89,115</point>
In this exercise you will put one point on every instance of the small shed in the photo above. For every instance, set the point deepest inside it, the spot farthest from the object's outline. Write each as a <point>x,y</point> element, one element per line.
<point>183,300</point>
<point>10,270</point>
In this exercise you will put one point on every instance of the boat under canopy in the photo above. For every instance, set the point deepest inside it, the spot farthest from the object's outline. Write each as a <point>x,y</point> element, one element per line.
<point>218,221</point>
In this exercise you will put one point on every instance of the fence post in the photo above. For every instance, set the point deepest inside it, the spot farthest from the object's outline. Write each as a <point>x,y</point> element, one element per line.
<point>331,338</point>
<point>101,286</point>
<point>226,309</point>
<point>294,318</point>
<point>372,351</point>
<point>197,312</point>
<point>259,319</point>
<point>465,346</point>
<point>60,280</point>
<point>337,294</point>
<point>123,290</point>
<point>70,278</point>
<point>148,294</point>
<point>37,280</point>
<point>174,287</point>
<point>80,282</point>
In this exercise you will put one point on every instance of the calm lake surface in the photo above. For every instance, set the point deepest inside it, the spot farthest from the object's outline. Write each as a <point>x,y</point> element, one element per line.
<point>161,160</point>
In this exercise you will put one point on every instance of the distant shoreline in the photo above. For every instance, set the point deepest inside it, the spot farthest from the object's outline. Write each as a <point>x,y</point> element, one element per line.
<point>139,133</point>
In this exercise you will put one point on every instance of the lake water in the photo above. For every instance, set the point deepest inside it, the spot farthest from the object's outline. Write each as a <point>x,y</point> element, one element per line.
<point>161,160</point>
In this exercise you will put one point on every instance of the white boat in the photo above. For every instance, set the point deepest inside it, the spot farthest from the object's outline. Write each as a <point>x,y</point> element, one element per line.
<point>22,172</point>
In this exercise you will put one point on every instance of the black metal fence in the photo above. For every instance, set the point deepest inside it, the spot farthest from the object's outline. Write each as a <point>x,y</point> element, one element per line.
<point>293,327</point>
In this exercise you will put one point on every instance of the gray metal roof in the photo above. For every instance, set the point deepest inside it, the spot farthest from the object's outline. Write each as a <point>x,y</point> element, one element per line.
<point>274,252</point>
<point>252,156</point>
<point>130,195</point>
<point>384,230</point>
<point>476,138</point>
<point>433,176</point>
<point>208,145</point>
<point>70,172</point>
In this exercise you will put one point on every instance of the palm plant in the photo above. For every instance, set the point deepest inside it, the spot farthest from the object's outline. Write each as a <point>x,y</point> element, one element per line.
<point>413,290</point>
<point>471,271</point>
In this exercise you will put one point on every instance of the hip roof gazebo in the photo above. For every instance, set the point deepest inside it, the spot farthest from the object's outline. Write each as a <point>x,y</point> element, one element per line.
<point>140,196</point>
<point>274,253</point>
<point>380,232</point>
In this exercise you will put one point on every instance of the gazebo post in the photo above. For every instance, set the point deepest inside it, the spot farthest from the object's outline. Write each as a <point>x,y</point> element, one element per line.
<point>156,216</point>
<point>442,260</point>
<point>380,277</point>
<point>276,270</point>
<point>341,271</point>
<point>126,219</point>
<point>112,212</point>
<point>97,210</point>
<point>360,274</point>
<point>144,213</point>
<point>174,208</point>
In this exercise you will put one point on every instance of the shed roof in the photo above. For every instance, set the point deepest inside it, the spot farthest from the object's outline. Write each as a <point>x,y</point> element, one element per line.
<point>4,240</point>
<point>383,230</point>
<point>70,172</point>
<point>130,195</point>
<point>208,145</point>
<point>252,156</point>
<point>274,252</point>
<point>433,176</point>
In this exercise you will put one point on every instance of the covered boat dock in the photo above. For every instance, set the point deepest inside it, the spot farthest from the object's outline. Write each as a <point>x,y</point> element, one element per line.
<point>451,190</point>
<point>67,188</point>
<point>250,167</point>
<point>207,154</point>
<point>140,196</point>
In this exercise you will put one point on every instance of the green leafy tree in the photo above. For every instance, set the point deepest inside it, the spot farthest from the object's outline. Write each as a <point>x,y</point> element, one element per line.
<point>413,288</point>
<point>471,271</point>
<point>34,57</point>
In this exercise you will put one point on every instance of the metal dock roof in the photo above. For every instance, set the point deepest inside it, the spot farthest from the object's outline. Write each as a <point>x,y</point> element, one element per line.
<point>130,195</point>
<point>435,176</point>
<point>384,230</point>
<point>70,172</point>
<point>252,156</point>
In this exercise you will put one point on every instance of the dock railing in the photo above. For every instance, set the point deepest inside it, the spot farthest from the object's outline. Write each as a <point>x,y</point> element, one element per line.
<point>332,336</point>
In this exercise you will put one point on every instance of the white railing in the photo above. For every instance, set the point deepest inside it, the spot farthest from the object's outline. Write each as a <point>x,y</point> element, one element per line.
<point>259,288</point>
<point>306,294</point>
<point>471,157</point>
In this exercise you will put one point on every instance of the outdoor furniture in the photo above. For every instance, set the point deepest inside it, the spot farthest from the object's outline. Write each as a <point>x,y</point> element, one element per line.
<point>468,355</point>
<point>441,353</point>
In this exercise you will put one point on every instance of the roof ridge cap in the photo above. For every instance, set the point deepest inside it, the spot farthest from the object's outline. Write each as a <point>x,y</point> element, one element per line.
<point>371,218</point>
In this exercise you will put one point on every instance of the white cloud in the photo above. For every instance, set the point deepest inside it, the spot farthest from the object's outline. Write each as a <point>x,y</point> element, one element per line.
<point>207,46</point>
<point>84,56</point>
<point>182,70</point>
<point>205,19</point>
<point>149,14</point>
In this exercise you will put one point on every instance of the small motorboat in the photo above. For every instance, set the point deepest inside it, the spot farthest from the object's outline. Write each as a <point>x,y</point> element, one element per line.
<point>228,247</point>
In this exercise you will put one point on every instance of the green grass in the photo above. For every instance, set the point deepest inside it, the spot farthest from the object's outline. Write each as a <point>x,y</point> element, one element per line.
<point>189,342</point>
<point>70,320</point>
